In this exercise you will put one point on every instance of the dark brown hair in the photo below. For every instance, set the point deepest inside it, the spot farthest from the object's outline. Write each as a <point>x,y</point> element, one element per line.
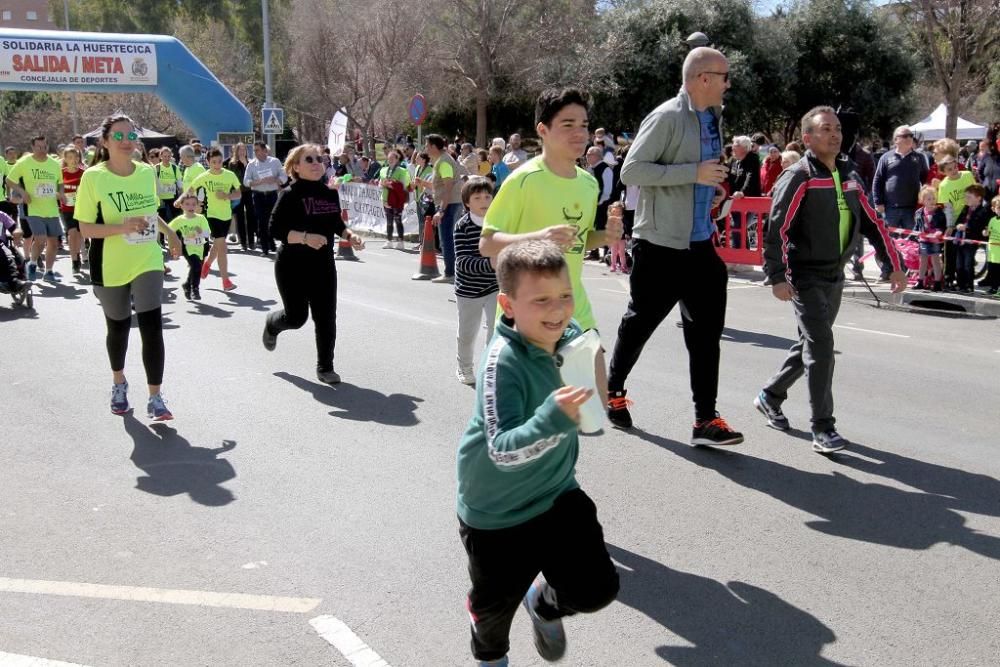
<point>516,259</point>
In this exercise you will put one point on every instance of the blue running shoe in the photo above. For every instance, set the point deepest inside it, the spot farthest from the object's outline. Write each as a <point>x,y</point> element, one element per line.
<point>32,271</point>
<point>550,637</point>
<point>119,399</point>
<point>157,410</point>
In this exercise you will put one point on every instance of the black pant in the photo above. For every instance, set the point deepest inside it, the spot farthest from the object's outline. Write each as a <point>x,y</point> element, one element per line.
<point>950,262</point>
<point>263,202</point>
<point>393,215</point>
<point>10,209</point>
<point>307,279</point>
<point>566,544</point>
<point>194,271</point>
<point>246,220</point>
<point>965,257</point>
<point>167,210</point>
<point>660,278</point>
<point>992,278</point>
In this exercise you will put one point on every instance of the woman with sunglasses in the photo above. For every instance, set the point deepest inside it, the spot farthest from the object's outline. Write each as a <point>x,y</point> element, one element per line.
<point>306,219</point>
<point>116,207</point>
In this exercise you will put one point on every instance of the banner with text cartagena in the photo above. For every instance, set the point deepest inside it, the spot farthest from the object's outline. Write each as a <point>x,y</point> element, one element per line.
<point>74,62</point>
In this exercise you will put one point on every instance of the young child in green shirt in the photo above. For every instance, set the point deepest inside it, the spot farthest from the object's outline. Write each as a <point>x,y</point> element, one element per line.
<point>192,230</point>
<point>520,508</point>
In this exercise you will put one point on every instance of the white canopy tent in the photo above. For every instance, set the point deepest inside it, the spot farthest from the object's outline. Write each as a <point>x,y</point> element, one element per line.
<point>932,127</point>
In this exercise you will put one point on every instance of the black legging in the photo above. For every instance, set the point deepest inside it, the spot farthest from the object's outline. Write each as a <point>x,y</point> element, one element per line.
<point>307,279</point>
<point>393,214</point>
<point>151,331</point>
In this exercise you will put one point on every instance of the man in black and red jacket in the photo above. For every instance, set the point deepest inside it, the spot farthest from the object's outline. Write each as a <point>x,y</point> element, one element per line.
<point>818,209</point>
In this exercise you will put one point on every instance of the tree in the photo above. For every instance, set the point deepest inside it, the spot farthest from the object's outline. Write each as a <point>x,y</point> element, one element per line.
<point>643,50</point>
<point>354,68</point>
<point>962,40</point>
<point>485,43</point>
<point>847,57</point>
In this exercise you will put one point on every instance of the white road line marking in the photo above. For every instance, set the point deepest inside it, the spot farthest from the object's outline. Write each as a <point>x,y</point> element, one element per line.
<point>397,313</point>
<point>613,291</point>
<point>872,331</point>
<point>342,638</point>
<point>162,595</point>
<point>15,660</point>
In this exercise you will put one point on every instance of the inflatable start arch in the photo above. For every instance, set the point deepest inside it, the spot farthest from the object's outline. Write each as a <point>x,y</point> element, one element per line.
<point>93,62</point>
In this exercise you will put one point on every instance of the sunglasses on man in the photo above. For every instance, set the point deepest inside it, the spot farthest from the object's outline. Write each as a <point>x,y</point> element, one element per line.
<point>724,75</point>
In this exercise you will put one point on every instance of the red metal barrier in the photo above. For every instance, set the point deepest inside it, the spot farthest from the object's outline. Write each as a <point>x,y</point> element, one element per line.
<point>752,212</point>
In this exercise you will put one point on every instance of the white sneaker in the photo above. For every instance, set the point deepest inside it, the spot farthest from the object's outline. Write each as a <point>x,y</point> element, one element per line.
<point>389,245</point>
<point>399,244</point>
<point>465,376</point>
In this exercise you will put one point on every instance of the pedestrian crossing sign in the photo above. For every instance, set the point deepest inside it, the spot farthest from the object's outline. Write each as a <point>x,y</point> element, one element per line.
<point>273,121</point>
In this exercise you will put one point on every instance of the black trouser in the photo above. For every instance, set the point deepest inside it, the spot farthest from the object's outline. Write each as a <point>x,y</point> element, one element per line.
<point>660,278</point>
<point>992,278</point>
<point>307,279</point>
<point>816,304</point>
<point>263,202</point>
<point>393,215</point>
<point>965,258</point>
<point>194,271</point>
<point>10,209</point>
<point>246,219</point>
<point>566,544</point>
<point>950,262</point>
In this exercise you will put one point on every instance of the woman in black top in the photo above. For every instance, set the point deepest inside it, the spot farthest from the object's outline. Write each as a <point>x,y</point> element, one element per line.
<point>306,219</point>
<point>246,223</point>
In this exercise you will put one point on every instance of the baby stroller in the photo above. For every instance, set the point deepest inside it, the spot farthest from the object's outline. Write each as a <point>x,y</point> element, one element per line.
<point>13,277</point>
<point>910,250</point>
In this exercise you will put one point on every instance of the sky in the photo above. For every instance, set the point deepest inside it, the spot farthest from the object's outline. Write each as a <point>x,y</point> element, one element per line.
<point>767,6</point>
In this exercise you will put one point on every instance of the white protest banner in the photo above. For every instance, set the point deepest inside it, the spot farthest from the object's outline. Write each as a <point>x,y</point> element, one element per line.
<point>68,61</point>
<point>363,202</point>
<point>338,132</point>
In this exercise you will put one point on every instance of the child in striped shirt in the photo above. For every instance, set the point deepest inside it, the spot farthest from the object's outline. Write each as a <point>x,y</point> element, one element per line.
<point>475,280</point>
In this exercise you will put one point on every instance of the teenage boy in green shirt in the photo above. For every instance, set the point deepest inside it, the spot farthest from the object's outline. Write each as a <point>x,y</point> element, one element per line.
<point>551,198</point>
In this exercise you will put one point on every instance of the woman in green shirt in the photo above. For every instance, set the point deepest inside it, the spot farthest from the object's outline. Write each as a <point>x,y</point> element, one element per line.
<point>116,206</point>
<point>395,182</point>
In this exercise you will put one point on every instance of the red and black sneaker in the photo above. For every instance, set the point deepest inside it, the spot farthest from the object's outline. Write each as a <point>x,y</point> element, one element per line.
<point>714,433</point>
<point>618,413</point>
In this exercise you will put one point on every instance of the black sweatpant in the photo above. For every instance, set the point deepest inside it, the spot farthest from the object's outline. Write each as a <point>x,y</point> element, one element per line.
<point>566,544</point>
<point>263,203</point>
<point>307,280</point>
<point>816,305</point>
<point>950,262</point>
<point>660,278</point>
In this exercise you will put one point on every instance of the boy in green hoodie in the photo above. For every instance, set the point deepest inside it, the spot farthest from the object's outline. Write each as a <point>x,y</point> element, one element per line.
<point>520,509</point>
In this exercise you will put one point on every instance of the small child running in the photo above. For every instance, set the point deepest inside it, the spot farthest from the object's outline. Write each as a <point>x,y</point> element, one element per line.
<point>475,280</point>
<point>192,229</point>
<point>992,232</point>
<point>521,511</point>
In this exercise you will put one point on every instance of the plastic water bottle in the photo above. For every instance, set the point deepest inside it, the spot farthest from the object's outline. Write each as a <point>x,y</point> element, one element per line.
<point>577,370</point>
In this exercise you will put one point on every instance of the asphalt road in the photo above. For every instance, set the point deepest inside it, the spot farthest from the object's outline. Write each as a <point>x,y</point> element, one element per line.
<point>272,500</point>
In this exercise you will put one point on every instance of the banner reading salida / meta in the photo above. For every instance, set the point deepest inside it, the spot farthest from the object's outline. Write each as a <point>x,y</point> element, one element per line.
<point>365,211</point>
<point>73,62</point>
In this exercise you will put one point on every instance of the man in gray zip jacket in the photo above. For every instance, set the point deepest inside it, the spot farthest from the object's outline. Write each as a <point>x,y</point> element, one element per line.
<point>675,161</point>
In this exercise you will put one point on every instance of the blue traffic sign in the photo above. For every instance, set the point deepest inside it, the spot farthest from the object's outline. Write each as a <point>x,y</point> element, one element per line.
<point>272,121</point>
<point>417,109</point>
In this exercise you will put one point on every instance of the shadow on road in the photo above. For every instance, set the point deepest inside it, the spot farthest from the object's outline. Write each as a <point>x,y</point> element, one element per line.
<point>58,290</point>
<point>866,512</point>
<point>247,301</point>
<point>174,466</point>
<point>360,404</point>
<point>16,313</point>
<point>202,308</point>
<point>729,624</point>
<point>730,335</point>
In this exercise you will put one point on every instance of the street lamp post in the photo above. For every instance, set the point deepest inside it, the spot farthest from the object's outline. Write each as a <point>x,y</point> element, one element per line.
<point>268,100</point>
<point>72,96</point>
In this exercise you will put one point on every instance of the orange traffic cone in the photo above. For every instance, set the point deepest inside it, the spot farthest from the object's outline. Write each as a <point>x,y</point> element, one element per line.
<point>344,248</point>
<point>428,258</point>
